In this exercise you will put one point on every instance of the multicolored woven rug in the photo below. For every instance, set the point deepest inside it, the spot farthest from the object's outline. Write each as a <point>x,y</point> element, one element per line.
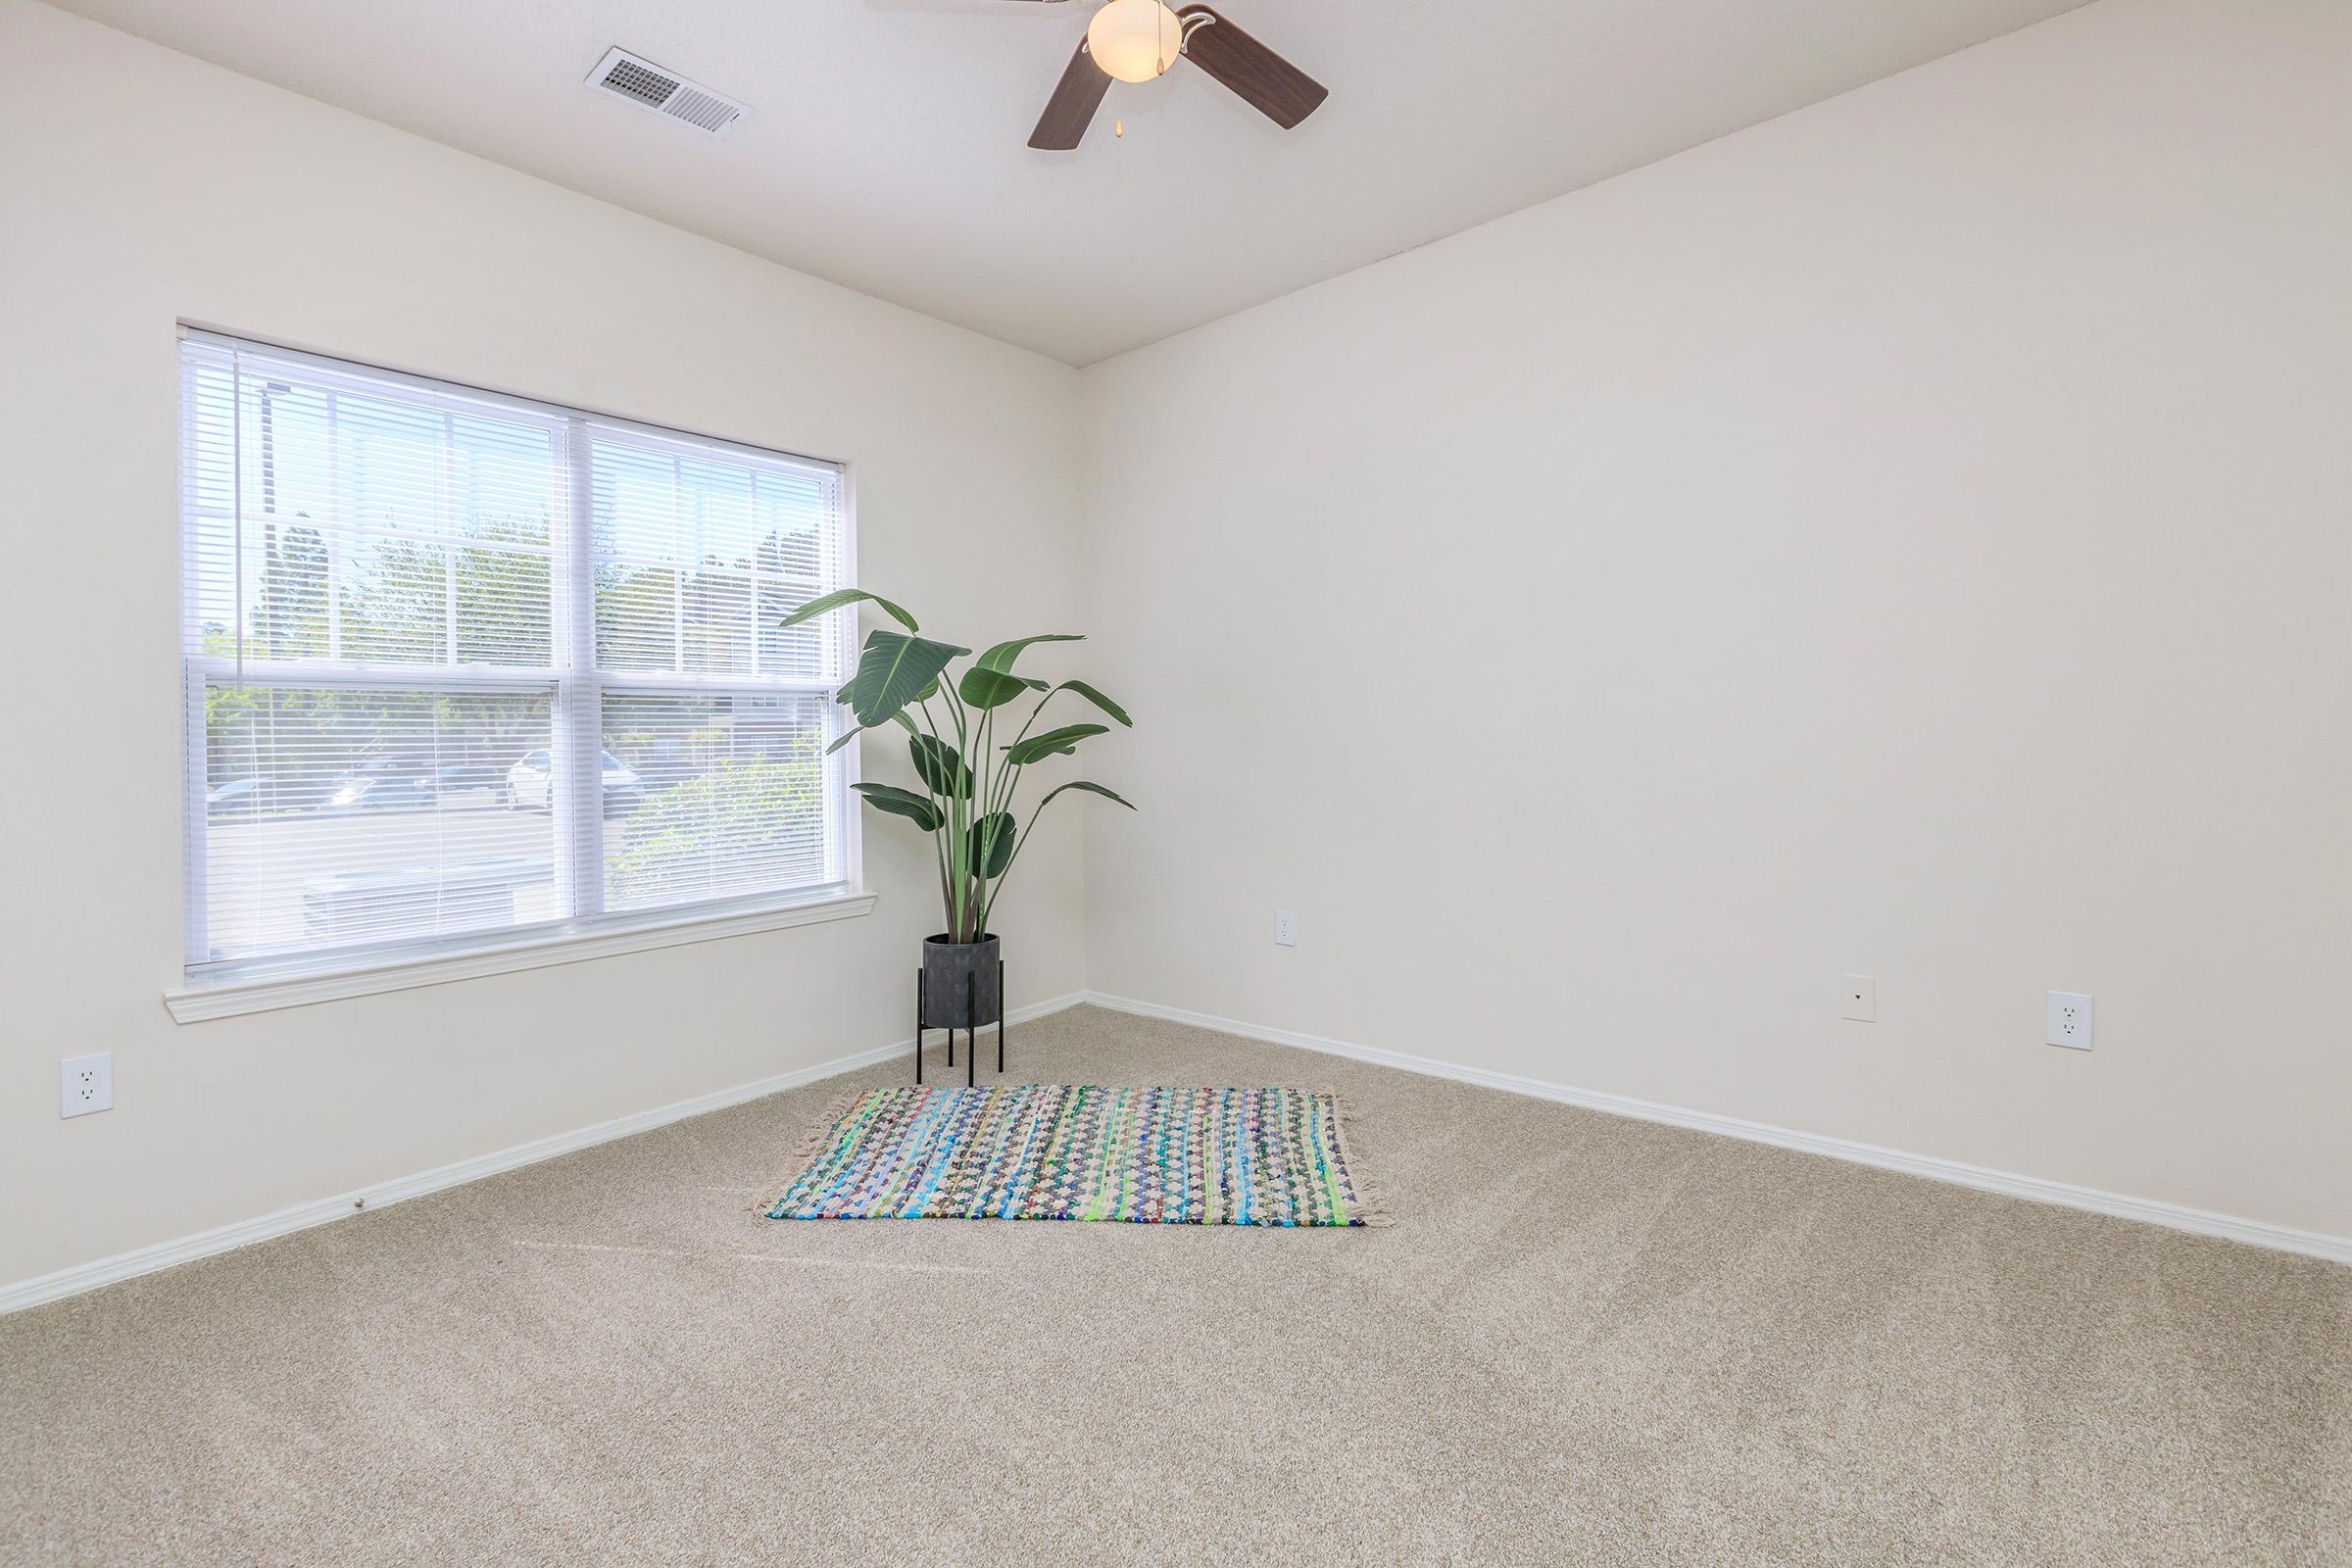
<point>1171,1157</point>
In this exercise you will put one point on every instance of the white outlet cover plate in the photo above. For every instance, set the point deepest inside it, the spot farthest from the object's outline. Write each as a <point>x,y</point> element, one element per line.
<point>2069,1020</point>
<point>1285,928</point>
<point>1859,998</point>
<point>85,1084</point>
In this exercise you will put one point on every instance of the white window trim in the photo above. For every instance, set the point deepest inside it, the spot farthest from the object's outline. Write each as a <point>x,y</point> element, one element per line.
<point>296,984</point>
<point>217,990</point>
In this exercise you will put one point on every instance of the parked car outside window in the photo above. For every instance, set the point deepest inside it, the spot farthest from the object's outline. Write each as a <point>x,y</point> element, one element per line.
<point>530,785</point>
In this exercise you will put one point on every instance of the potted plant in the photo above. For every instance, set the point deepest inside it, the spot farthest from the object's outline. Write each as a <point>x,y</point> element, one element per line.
<point>970,782</point>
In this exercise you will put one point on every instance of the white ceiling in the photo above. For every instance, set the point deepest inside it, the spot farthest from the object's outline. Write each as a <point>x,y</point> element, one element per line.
<point>886,145</point>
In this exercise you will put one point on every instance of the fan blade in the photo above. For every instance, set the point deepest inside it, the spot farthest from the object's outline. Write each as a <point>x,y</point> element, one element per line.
<point>1072,107</point>
<point>1259,77</point>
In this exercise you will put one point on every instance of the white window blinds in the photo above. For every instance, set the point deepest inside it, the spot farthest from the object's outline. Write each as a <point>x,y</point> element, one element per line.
<point>461,666</point>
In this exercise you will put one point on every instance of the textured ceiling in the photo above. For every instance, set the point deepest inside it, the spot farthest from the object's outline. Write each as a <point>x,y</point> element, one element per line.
<point>886,144</point>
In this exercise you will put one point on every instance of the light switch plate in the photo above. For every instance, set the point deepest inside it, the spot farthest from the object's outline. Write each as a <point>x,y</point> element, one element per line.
<point>85,1084</point>
<point>1861,998</point>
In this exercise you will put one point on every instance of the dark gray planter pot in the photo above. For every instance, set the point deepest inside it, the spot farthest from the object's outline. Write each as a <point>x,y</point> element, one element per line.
<point>964,983</point>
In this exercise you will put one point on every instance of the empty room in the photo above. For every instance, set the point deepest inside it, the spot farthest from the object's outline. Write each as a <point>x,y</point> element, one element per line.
<point>1006,782</point>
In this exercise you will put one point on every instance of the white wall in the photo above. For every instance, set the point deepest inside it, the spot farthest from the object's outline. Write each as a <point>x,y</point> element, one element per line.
<point>138,187</point>
<point>1911,537</point>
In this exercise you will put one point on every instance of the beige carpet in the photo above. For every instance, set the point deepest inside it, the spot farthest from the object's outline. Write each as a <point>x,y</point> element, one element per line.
<point>1584,1340</point>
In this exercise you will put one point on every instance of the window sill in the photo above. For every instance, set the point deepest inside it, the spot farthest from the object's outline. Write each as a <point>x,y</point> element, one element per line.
<point>227,997</point>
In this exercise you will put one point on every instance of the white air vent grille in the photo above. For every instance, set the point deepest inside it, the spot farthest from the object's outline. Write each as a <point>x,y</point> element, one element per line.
<point>698,108</point>
<point>647,85</point>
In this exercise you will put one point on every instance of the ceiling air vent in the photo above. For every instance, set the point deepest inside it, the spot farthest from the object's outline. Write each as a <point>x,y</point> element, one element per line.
<point>647,85</point>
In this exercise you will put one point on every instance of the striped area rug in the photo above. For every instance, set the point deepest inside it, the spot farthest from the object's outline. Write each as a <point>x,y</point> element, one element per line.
<point>1170,1156</point>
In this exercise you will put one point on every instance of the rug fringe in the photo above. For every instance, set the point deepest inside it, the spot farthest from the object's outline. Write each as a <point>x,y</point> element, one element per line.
<point>1370,1202</point>
<point>813,1143</point>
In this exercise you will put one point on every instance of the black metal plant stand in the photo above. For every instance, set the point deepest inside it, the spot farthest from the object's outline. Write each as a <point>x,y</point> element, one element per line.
<point>971,1031</point>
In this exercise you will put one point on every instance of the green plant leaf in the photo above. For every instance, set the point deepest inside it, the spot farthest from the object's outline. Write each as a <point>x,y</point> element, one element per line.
<point>999,848</point>
<point>892,672</point>
<point>847,595</point>
<point>1087,785</point>
<point>899,718</point>
<point>901,803</point>
<point>1097,698</point>
<point>991,688</point>
<point>1053,743</point>
<point>1000,658</point>
<point>940,766</point>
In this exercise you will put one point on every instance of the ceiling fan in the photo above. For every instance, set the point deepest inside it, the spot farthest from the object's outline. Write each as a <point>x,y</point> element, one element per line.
<point>1136,40</point>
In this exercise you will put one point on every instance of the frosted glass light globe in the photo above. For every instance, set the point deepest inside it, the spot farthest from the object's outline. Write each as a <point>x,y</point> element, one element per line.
<point>1135,41</point>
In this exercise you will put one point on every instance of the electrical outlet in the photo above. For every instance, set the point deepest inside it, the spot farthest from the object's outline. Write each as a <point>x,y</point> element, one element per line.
<point>1861,998</point>
<point>2069,1020</point>
<point>1285,928</point>
<point>86,1084</point>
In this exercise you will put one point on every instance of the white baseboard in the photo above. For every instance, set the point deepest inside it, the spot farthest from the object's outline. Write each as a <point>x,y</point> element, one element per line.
<point>2201,1222</point>
<point>318,1212</point>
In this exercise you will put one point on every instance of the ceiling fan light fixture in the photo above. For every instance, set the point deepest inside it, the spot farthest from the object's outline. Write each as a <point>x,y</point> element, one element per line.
<point>1135,41</point>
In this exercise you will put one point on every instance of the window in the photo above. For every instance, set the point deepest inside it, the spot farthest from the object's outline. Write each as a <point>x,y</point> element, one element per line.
<point>464,669</point>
